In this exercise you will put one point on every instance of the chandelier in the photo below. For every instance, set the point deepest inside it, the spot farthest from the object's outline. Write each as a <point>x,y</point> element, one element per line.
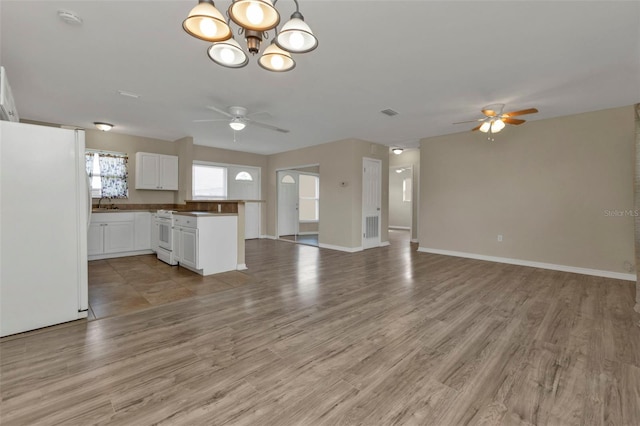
<point>255,18</point>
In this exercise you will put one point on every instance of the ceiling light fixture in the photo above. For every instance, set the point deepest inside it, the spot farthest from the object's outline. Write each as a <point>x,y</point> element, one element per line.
<point>397,151</point>
<point>255,18</point>
<point>495,125</point>
<point>105,127</point>
<point>237,124</point>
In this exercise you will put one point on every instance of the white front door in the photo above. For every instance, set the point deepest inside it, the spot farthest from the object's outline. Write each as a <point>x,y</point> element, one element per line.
<point>371,202</point>
<point>287,203</point>
<point>244,184</point>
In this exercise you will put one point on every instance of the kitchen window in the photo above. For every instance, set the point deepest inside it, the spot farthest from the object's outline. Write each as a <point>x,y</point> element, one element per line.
<point>209,182</point>
<point>108,174</point>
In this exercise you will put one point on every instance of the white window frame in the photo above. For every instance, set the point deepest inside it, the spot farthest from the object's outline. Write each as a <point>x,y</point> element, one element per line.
<point>193,181</point>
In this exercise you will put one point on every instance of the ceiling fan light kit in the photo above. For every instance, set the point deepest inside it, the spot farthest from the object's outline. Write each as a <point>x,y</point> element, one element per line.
<point>495,120</point>
<point>255,18</point>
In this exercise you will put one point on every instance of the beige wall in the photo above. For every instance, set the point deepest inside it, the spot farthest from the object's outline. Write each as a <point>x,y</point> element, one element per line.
<point>410,157</point>
<point>110,141</point>
<point>546,186</point>
<point>340,207</point>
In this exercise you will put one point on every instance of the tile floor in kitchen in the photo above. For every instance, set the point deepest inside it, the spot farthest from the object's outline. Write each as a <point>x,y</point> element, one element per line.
<point>127,284</point>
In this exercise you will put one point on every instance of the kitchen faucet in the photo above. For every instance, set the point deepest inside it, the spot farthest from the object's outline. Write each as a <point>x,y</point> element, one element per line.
<point>100,201</point>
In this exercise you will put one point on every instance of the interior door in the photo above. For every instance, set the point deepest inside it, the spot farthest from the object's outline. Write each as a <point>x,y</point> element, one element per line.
<point>371,202</point>
<point>244,184</point>
<point>287,203</point>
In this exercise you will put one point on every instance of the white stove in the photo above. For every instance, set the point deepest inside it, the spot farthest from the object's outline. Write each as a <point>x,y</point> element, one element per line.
<point>165,236</point>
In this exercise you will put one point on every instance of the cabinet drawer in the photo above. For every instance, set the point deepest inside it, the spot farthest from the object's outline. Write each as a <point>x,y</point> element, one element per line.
<point>186,221</point>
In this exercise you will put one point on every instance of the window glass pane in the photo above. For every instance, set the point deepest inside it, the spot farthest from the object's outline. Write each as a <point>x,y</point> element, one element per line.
<point>244,176</point>
<point>308,186</point>
<point>308,209</point>
<point>288,179</point>
<point>209,181</point>
<point>406,190</point>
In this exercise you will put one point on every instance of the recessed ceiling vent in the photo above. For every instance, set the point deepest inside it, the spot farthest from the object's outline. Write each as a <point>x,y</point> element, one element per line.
<point>389,112</point>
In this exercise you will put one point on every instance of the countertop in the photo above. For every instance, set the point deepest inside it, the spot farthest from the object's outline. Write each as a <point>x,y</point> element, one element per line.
<point>225,201</point>
<point>203,214</point>
<point>95,210</point>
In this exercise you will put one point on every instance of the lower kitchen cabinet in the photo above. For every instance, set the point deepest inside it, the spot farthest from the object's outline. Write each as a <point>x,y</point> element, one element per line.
<point>118,234</point>
<point>206,243</point>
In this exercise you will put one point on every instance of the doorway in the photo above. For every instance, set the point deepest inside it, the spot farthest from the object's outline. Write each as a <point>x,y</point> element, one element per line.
<point>401,198</point>
<point>298,207</point>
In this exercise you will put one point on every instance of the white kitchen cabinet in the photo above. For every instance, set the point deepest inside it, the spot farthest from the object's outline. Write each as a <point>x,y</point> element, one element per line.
<point>118,234</point>
<point>206,243</point>
<point>142,231</point>
<point>95,239</point>
<point>156,171</point>
<point>118,237</point>
<point>189,247</point>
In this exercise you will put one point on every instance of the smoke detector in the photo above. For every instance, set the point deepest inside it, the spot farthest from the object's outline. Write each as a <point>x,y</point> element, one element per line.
<point>69,17</point>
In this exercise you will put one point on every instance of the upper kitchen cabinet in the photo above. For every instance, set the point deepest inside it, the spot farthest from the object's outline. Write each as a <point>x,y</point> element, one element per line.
<point>156,171</point>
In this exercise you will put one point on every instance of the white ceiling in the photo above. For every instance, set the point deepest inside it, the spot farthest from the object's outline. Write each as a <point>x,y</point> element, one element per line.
<point>434,62</point>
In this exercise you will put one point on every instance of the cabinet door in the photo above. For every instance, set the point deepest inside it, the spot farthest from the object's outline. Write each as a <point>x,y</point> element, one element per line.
<point>147,170</point>
<point>142,240</point>
<point>189,247</point>
<point>177,245</point>
<point>168,172</point>
<point>118,237</point>
<point>95,239</point>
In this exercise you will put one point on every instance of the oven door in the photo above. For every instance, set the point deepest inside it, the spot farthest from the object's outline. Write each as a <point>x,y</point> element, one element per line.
<point>165,237</point>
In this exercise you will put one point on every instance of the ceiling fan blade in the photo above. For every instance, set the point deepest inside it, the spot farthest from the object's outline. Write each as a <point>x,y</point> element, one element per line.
<point>521,112</point>
<point>515,121</point>
<point>469,121</point>
<point>208,120</point>
<point>265,126</point>
<point>489,112</point>
<point>219,111</point>
<point>476,128</point>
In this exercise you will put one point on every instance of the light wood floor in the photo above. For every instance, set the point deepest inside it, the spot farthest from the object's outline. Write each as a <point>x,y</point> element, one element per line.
<point>318,337</point>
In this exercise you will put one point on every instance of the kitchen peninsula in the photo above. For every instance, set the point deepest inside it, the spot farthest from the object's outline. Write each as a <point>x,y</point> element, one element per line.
<point>131,229</point>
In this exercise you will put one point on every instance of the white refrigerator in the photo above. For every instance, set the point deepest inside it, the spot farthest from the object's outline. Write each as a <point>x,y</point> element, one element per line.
<point>44,212</point>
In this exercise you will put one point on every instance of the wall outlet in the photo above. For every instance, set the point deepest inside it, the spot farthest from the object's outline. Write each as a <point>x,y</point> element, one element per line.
<point>499,238</point>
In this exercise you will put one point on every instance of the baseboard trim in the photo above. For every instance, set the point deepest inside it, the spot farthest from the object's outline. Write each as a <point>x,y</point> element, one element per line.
<point>384,244</point>
<point>241,266</point>
<point>414,240</point>
<point>340,248</point>
<point>308,233</point>
<point>267,237</point>
<point>542,265</point>
<point>402,228</point>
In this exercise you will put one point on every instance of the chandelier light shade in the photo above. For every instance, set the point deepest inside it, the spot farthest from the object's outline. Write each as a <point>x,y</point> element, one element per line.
<point>228,53</point>
<point>207,23</point>
<point>276,59</point>
<point>256,15</point>
<point>255,18</point>
<point>296,36</point>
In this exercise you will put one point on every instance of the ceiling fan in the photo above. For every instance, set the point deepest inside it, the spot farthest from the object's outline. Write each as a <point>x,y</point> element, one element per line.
<point>495,119</point>
<point>238,119</point>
